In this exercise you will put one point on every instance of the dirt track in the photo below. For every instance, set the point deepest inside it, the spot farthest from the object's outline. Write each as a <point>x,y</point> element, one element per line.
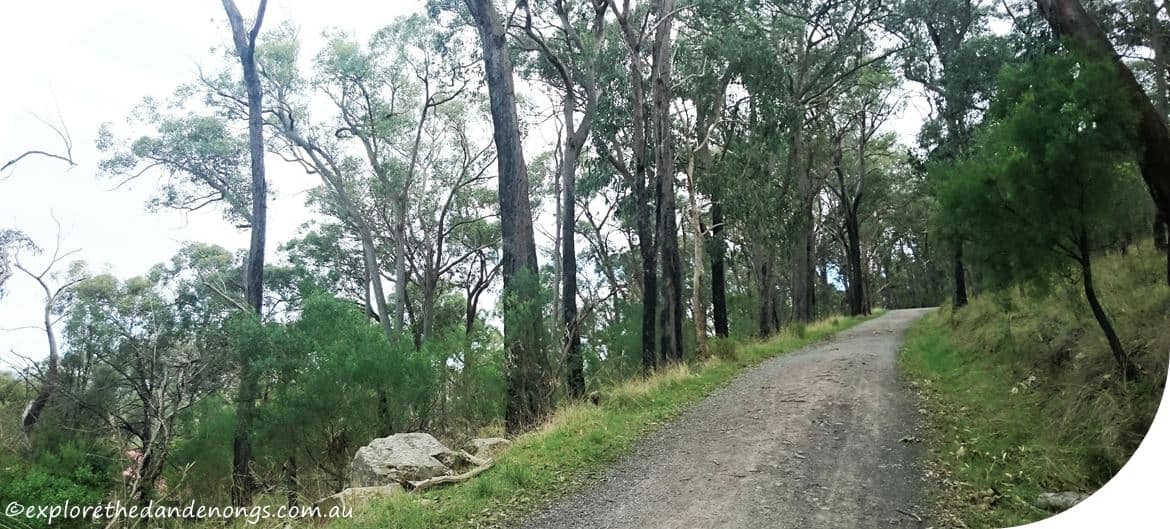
<point>813,439</point>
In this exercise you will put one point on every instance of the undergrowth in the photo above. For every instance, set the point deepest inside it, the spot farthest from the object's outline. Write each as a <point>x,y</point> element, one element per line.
<point>577,441</point>
<point>1024,397</point>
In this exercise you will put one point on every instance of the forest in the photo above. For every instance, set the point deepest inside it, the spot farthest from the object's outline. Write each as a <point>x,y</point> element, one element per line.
<point>520,206</point>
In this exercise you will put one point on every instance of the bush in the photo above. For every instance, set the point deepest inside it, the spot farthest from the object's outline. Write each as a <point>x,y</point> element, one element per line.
<point>68,474</point>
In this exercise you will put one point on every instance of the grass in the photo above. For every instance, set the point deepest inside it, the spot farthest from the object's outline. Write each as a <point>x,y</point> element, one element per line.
<point>1023,396</point>
<point>578,441</point>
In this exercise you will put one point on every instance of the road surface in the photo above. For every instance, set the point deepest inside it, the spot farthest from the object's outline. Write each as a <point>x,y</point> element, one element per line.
<point>819,438</point>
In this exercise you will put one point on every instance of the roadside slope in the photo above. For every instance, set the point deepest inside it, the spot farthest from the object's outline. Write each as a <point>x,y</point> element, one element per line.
<point>809,439</point>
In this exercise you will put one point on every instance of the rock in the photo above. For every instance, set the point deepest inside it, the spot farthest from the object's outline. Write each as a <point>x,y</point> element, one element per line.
<point>1059,501</point>
<point>356,496</point>
<point>403,456</point>
<point>488,446</point>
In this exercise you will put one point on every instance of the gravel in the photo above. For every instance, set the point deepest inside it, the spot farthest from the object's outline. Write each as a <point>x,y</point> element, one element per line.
<point>814,438</point>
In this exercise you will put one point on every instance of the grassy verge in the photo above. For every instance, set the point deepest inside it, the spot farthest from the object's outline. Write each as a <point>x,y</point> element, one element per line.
<point>1023,398</point>
<point>578,441</point>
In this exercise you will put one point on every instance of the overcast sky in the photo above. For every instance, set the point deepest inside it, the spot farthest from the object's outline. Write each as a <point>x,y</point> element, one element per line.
<point>94,61</point>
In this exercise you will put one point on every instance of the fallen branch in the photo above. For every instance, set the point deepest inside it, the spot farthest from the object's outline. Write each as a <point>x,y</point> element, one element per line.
<point>910,514</point>
<point>419,486</point>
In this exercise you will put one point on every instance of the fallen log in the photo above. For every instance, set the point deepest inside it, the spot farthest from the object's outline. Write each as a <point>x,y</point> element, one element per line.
<point>419,486</point>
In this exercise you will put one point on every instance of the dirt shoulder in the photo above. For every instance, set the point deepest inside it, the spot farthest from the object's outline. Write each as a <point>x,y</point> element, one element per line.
<point>815,438</point>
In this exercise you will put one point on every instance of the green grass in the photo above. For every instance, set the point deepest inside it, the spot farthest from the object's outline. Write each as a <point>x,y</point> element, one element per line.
<point>1023,396</point>
<point>576,442</point>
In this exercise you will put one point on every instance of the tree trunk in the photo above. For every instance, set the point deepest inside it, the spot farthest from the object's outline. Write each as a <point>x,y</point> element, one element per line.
<point>1162,240</point>
<point>698,308</point>
<point>668,247</point>
<point>572,336</point>
<point>960,278</point>
<point>245,44</point>
<point>762,265</point>
<point>718,271</point>
<point>644,213</point>
<point>526,364</point>
<point>803,280</point>
<point>1069,20</point>
<point>856,273</point>
<point>52,371</point>
<point>1099,312</point>
<point>290,480</point>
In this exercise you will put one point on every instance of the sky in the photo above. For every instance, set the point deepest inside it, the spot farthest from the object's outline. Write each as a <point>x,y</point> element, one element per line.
<point>85,63</point>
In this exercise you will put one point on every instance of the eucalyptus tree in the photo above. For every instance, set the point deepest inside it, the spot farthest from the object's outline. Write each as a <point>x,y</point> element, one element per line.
<point>821,47</point>
<point>57,286</point>
<point>661,114</point>
<point>385,98</point>
<point>453,219</point>
<point>635,166</point>
<point>245,44</point>
<point>572,51</point>
<point>155,349</point>
<point>857,117</point>
<point>526,362</point>
<point>954,55</point>
<point>316,147</point>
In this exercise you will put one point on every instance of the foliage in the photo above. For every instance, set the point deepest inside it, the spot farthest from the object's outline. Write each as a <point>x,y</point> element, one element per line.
<point>78,474</point>
<point>1053,167</point>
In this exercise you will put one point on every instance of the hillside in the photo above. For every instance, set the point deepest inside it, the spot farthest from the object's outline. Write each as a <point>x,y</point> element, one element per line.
<point>1024,397</point>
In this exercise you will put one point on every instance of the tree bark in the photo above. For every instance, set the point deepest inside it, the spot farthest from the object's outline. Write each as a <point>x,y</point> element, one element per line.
<point>1069,20</point>
<point>526,363</point>
<point>572,336</point>
<point>762,265</point>
<point>245,44</point>
<point>960,300</point>
<point>856,273</point>
<point>803,276</point>
<point>718,271</point>
<point>668,247</point>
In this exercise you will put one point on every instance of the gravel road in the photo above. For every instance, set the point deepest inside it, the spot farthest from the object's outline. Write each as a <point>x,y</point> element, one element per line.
<point>822,437</point>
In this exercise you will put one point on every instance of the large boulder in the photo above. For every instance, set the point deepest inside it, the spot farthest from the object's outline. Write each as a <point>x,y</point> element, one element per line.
<point>354,497</point>
<point>403,456</point>
<point>488,447</point>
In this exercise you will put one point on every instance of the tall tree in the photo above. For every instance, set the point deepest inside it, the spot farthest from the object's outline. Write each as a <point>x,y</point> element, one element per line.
<point>955,58</point>
<point>245,44</point>
<point>636,173</point>
<point>664,170</point>
<point>526,361</point>
<point>576,72</point>
<point>859,117</point>
<point>825,44</point>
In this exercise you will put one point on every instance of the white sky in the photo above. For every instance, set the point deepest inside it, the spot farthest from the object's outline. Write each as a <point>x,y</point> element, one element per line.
<point>96,61</point>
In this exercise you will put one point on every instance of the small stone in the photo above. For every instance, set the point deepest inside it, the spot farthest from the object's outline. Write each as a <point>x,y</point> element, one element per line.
<point>1059,501</point>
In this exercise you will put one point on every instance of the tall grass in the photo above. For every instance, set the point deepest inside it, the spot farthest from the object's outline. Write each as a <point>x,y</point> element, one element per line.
<point>1025,395</point>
